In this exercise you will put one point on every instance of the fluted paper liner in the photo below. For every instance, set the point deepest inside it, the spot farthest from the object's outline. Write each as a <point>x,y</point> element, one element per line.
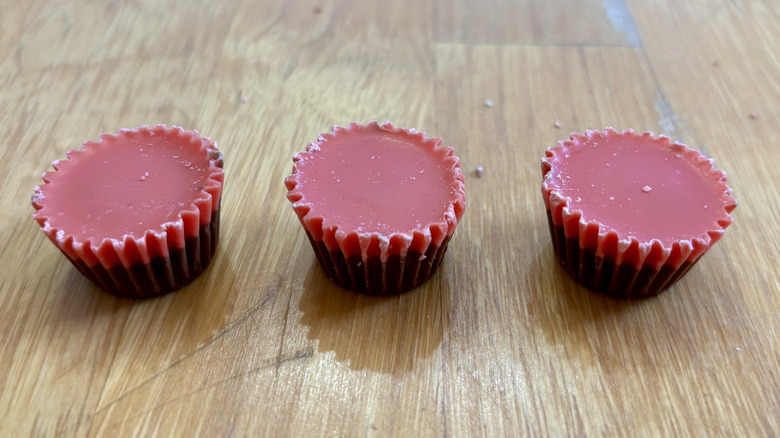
<point>601,259</point>
<point>161,260</point>
<point>375,263</point>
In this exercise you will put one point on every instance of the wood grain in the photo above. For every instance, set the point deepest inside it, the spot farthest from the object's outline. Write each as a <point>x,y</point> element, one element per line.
<point>500,342</point>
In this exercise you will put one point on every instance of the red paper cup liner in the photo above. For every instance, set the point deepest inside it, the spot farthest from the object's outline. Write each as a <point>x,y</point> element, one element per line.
<point>600,257</point>
<point>157,260</point>
<point>372,262</point>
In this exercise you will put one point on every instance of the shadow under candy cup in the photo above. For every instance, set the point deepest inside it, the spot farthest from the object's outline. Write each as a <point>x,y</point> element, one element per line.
<point>629,214</point>
<point>379,204</point>
<point>136,212</point>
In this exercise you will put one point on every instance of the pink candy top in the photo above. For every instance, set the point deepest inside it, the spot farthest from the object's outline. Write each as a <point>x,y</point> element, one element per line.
<point>376,179</point>
<point>141,184</point>
<point>128,186</point>
<point>638,188</point>
<point>641,187</point>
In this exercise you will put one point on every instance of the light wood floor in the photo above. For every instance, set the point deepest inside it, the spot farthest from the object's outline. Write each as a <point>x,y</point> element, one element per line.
<point>500,342</point>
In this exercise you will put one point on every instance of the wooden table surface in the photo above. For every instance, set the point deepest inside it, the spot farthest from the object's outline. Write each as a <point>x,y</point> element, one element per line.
<point>500,342</point>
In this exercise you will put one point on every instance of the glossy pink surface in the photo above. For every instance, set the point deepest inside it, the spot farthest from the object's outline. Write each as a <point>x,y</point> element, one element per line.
<point>371,180</point>
<point>125,185</point>
<point>639,187</point>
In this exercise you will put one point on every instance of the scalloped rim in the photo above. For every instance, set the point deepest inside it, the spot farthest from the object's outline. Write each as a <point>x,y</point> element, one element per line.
<point>374,243</point>
<point>608,241</point>
<point>129,249</point>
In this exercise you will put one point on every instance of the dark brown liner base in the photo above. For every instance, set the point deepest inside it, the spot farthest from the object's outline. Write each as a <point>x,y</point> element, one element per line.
<point>395,276</point>
<point>600,273</point>
<point>161,275</point>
